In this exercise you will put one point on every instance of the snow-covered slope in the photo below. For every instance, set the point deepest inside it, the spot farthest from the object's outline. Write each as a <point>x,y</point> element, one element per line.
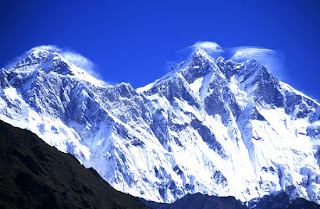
<point>210,126</point>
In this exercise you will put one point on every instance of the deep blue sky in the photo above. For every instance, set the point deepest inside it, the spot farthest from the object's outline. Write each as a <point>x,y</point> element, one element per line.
<point>133,41</point>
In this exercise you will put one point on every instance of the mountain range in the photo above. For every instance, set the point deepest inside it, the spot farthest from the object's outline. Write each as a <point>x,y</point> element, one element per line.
<point>212,126</point>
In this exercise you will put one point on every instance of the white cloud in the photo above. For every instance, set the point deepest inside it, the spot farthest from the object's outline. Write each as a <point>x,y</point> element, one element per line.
<point>52,48</point>
<point>267,57</point>
<point>78,60</point>
<point>241,53</point>
<point>208,46</point>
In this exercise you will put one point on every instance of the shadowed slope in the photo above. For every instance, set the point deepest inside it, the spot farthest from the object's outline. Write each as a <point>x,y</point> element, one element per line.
<point>36,175</point>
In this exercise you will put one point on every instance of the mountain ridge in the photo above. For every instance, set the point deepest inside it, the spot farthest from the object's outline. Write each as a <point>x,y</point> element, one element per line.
<point>210,126</point>
<point>36,175</point>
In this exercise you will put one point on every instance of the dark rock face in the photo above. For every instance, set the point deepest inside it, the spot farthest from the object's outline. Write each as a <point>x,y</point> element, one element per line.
<point>36,175</point>
<point>268,89</point>
<point>208,137</point>
<point>229,68</point>
<point>176,87</point>
<point>197,68</point>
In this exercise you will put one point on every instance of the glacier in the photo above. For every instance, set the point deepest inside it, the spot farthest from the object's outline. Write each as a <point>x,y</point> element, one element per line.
<point>212,126</point>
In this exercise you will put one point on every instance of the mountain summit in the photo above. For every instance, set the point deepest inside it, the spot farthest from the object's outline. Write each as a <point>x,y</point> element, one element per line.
<point>217,127</point>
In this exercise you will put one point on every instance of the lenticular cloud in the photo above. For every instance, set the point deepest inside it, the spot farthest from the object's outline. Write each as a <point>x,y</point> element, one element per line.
<point>208,46</point>
<point>240,53</point>
<point>267,57</point>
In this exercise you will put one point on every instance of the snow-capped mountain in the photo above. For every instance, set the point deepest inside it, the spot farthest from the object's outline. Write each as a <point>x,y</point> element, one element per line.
<point>212,126</point>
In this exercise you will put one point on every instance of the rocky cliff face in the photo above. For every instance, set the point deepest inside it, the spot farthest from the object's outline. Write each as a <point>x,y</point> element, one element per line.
<point>212,126</point>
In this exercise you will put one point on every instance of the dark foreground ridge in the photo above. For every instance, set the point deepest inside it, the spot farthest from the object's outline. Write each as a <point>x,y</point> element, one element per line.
<point>200,201</point>
<point>282,201</point>
<point>36,175</point>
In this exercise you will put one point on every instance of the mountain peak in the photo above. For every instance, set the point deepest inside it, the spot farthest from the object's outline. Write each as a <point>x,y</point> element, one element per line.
<point>201,53</point>
<point>48,60</point>
<point>32,57</point>
<point>39,53</point>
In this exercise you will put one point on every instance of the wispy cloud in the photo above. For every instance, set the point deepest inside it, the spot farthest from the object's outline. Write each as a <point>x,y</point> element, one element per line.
<point>79,61</point>
<point>267,57</point>
<point>244,52</point>
<point>51,48</point>
<point>208,46</point>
